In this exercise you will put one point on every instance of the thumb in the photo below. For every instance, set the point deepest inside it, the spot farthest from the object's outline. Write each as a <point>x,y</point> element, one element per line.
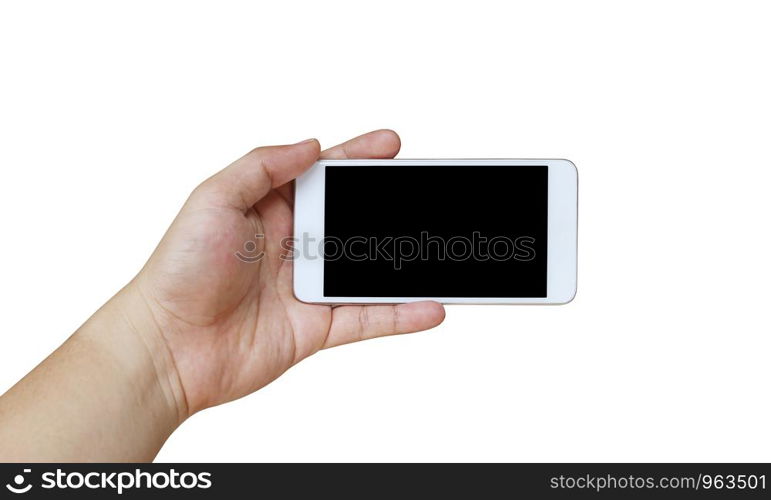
<point>248,179</point>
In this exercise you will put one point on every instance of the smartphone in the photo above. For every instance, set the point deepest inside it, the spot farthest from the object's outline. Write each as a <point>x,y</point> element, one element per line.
<point>487,231</point>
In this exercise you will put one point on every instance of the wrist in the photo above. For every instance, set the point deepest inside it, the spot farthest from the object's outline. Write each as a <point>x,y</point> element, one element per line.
<point>125,332</point>
<point>110,393</point>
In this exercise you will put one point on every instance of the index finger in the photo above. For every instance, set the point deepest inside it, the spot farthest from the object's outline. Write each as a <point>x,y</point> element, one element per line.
<point>382,143</point>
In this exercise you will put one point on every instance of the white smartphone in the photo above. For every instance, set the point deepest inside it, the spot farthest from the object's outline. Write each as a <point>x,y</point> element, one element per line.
<point>455,231</point>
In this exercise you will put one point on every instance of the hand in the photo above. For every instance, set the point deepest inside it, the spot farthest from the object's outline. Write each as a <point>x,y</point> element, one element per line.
<point>197,326</point>
<point>225,328</point>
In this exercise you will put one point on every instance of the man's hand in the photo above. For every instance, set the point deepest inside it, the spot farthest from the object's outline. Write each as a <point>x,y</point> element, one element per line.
<point>231,326</point>
<point>198,326</point>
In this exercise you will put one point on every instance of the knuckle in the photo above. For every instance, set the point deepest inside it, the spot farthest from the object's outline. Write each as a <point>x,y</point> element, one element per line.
<point>364,322</point>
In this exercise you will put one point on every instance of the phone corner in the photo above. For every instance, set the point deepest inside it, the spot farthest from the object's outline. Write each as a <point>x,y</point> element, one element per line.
<point>299,292</point>
<point>567,298</point>
<point>302,297</point>
<point>570,165</point>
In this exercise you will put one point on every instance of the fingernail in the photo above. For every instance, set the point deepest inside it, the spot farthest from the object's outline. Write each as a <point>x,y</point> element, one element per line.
<point>306,141</point>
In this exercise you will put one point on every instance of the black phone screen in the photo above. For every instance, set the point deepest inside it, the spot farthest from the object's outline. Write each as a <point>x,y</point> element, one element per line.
<point>435,231</point>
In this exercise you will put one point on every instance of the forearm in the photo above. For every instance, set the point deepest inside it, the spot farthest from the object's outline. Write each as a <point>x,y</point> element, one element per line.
<point>107,394</point>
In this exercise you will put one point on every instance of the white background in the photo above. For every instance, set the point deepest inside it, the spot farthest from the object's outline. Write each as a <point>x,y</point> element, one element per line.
<point>110,114</point>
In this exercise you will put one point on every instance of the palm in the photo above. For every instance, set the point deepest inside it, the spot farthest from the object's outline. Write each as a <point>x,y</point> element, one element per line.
<point>232,326</point>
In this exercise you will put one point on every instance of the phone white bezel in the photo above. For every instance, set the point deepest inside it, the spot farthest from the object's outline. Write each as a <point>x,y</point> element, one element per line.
<point>561,235</point>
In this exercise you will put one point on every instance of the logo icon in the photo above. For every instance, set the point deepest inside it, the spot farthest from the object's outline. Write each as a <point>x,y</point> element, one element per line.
<point>250,247</point>
<point>18,481</point>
